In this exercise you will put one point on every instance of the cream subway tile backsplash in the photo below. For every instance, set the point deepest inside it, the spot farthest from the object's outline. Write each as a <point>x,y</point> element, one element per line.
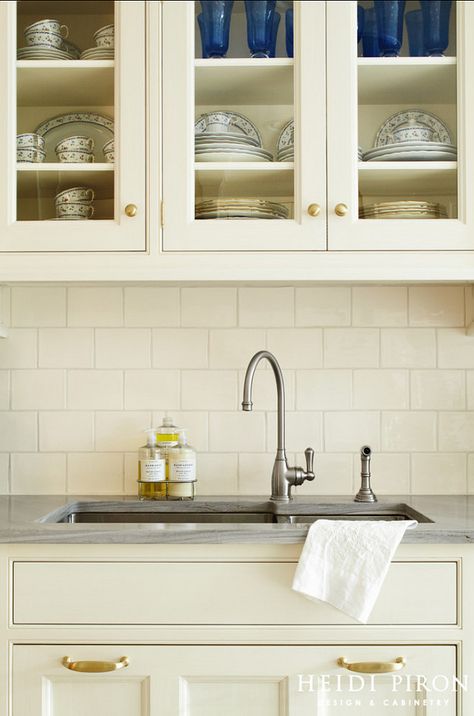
<point>233,348</point>
<point>439,473</point>
<point>409,431</point>
<point>95,307</point>
<point>86,368</point>
<point>38,473</point>
<point>324,389</point>
<point>122,348</point>
<point>438,389</point>
<point>208,390</point>
<point>381,389</point>
<point>259,307</point>
<point>408,348</point>
<point>323,306</point>
<point>151,307</point>
<point>64,431</point>
<point>94,390</point>
<point>18,431</point>
<point>180,348</point>
<point>209,307</point>
<point>351,347</point>
<point>38,306</point>
<point>297,347</point>
<point>4,389</point>
<point>84,470</point>
<point>436,305</point>
<point>20,350</point>
<point>147,388</point>
<point>379,306</point>
<point>348,431</point>
<point>38,389</point>
<point>65,348</point>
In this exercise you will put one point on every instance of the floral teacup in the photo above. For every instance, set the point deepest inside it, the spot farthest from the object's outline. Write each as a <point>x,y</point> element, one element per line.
<point>77,143</point>
<point>85,211</point>
<point>76,194</point>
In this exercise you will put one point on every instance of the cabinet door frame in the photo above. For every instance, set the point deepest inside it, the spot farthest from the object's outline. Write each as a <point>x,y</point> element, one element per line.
<point>348,233</point>
<point>121,233</point>
<point>181,231</point>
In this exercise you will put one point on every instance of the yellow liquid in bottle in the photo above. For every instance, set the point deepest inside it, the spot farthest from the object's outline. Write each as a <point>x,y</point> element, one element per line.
<point>165,441</point>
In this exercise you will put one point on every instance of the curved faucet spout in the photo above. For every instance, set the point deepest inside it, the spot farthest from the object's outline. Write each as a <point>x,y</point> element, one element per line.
<point>284,477</point>
<point>280,385</point>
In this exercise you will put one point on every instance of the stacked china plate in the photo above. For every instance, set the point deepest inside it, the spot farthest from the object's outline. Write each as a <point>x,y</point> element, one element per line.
<point>240,209</point>
<point>407,209</point>
<point>359,153</point>
<point>98,53</point>
<point>223,136</point>
<point>286,143</point>
<point>412,135</point>
<point>42,53</point>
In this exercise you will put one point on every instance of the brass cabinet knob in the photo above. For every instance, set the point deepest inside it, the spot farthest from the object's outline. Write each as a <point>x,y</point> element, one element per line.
<point>131,210</point>
<point>341,209</point>
<point>314,210</point>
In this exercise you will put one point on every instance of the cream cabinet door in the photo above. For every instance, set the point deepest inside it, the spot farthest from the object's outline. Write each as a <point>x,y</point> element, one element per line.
<point>254,680</point>
<point>102,98</point>
<point>366,93</point>
<point>259,97</point>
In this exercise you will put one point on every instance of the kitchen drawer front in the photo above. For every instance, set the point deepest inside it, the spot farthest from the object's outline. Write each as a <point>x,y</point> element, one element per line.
<point>215,593</point>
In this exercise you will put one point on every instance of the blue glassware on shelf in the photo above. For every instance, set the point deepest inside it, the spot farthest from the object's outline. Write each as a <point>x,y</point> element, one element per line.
<point>275,26</point>
<point>414,21</point>
<point>289,32</point>
<point>215,27</point>
<point>259,26</point>
<point>389,14</point>
<point>370,36</point>
<point>435,26</point>
<point>360,22</point>
<point>203,31</point>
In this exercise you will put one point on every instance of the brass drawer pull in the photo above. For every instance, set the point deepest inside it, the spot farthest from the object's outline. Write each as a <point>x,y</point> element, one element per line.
<point>95,667</point>
<point>372,667</point>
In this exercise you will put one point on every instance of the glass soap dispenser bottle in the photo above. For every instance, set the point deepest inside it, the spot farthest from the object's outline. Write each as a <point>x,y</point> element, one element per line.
<point>182,469</point>
<point>151,469</point>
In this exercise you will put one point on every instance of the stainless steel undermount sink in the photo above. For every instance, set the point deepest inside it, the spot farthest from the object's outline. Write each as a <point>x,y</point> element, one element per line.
<point>227,513</point>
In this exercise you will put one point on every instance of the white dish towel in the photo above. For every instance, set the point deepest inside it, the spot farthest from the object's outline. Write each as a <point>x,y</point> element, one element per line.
<point>345,563</point>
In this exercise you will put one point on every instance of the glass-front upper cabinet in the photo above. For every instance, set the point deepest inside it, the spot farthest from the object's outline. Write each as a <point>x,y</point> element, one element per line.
<point>73,135</point>
<point>244,138</point>
<point>400,104</point>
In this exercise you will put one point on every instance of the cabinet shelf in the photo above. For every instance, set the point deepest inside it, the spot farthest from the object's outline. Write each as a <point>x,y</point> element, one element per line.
<point>407,178</point>
<point>245,179</point>
<point>65,83</point>
<point>407,80</point>
<point>244,81</point>
<point>49,176</point>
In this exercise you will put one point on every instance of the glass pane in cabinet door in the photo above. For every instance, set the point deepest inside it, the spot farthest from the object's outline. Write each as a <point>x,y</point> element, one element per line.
<point>65,110</point>
<point>407,107</point>
<point>244,131</point>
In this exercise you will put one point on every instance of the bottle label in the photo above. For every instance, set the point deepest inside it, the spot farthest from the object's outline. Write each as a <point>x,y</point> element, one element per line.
<point>183,471</point>
<point>152,470</point>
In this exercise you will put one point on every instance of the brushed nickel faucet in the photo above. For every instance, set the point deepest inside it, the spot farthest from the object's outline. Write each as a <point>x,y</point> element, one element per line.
<point>283,476</point>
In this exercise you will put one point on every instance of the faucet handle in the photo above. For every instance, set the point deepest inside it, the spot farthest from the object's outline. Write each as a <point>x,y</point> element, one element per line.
<point>309,455</point>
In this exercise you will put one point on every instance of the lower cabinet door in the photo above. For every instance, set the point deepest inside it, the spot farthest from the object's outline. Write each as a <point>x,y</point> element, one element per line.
<point>70,680</point>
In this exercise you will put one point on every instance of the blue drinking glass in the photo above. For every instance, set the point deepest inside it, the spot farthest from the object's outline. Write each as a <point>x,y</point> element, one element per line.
<point>289,32</point>
<point>435,26</point>
<point>360,22</point>
<point>275,26</point>
<point>204,40</point>
<point>259,26</point>
<point>216,23</point>
<point>370,36</point>
<point>414,21</point>
<point>389,14</point>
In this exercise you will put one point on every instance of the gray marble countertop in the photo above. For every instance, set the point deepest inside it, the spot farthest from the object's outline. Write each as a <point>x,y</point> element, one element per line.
<point>32,519</point>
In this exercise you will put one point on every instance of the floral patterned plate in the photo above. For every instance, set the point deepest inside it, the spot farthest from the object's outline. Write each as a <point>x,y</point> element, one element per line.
<point>287,136</point>
<point>441,132</point>
<point>89,124</point>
